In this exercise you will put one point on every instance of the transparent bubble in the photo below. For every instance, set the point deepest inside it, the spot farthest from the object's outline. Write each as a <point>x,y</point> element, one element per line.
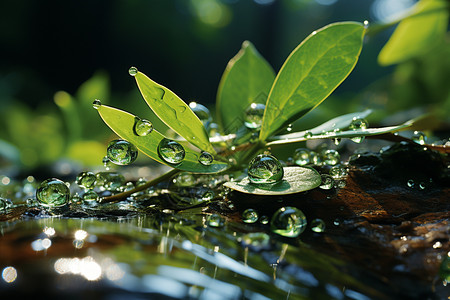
<point>171,151</point>
<point>109,180</point>
<point>265,168</point>
<point>419,137</point>
<point>142,127</point>
<point>302,156</point>
<point>331,157</point>
<point>338,172</point>
<point>250,215</point>
<point>96,104</point>
<point>121,152</point>
<point>133,71</point>
<point>288,222</point>
<point>215,220</point>
<point>254,115</point>
<point>206,158</point>
<point>327,182</point>
<point>318,225</point>
<point>90,197</point>
<point>202,113</point>
<point>264,220</point>
<point>86,180</point>
<point>53,193</point>
<point>358,124</point>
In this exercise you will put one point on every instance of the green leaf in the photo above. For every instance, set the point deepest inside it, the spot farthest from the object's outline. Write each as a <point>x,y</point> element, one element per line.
<point>174,112</point>
<point>247,79</point>
<point>418,33</point>
<point>295,180</point>
<point>122,123</point>
<point>336,123</point>
<point>311,72</point>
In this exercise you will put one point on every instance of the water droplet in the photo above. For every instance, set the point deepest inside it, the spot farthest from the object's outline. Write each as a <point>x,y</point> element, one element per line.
<point>366,24</point>
<point>358,124</point>
<point>308,135</point>
<point>318,225</point>
<point>316,158</point>
<point>133,71</point>
<point>340,184</point>
<point>90,198</point>
<point>250,215</point>
<point>337,141</point>
<point>327,182</point>
<point>338,172</point>
<point>86,180</point>
<point>171,151</point>
<point>215,220</point>
<point>254,115</point>
<point>302,156</point>
<point>256,240</point>
<point>410,183</point>
<point>419,137</point>
<point>264,220</point>
<point>184,179</point>
<point>288,221</point>
<point>109,180</point>
<point>3,204</point>
<point>76,199</point>
<point>53,193</point>
<point>331,157</point>
<point>265,168</point>
<point>142,127</point>
<point>205,158</point>
<point>289,128</point>
<point>121,152</point>
<point>202,113</point>
<point>96,104</point>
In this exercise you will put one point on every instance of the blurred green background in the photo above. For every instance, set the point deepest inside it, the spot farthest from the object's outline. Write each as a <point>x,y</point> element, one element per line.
<point>58,56</point>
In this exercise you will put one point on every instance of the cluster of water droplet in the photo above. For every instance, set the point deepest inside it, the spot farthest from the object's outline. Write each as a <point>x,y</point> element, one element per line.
<point>304,156</point>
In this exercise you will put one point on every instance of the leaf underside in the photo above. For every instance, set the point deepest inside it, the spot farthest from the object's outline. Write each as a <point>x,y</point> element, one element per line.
<point>312,72</point>
<point>174,112</point>
<point>122,123</point>
<point>295,180</point>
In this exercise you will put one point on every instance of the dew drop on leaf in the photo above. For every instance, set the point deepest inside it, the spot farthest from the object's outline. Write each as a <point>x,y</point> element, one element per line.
<point>96,104</point>
<point>318,225</point>
<point>53,193</point>
<point>142,127</point>
<point>133,71</point>
<point>205,158</point>
<point>86,180</point>
<point>250,215</point>
<point>265,169</point>
<point>121,152</point>
<point>288,222</point>
<point>254,115</point>
<point>171,151</point>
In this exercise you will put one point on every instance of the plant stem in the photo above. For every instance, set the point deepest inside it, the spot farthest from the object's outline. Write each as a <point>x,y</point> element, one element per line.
<point>153,182</point>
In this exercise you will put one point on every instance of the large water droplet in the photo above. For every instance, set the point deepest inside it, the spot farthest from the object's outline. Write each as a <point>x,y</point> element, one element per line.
<point>206,158</point>
<point>254,115</point>
<point>302,156</point>
<point>288,221</point>
<point>318,225</point>
<point>53,193</point>
<point>202,113</point>
<point>331,157</point>
<point>121,152</point>
<point>419,137</point>
<point>96,104</point>
<point>133,71</point>
<point>86,180</point>
<point>250,215</point>
<point>142,127</point>
<point>265,168</point>
<point>171,151</point>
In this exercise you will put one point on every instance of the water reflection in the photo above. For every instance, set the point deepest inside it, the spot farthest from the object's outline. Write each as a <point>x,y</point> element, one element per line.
<point>9,274</point>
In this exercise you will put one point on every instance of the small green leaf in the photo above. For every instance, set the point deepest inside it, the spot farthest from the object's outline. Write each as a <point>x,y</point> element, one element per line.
<point>247,79</point>
<point>174,112</point>
<point>418,33</point>
<point>122,123</point>
<point>312,72</point>
<point>295,180</point>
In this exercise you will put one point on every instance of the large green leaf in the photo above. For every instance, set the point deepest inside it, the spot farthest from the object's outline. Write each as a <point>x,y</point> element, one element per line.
<point>174,112</point>
<point>311,72</point>
<point>122,123</point>
<point>247,79</point>
<point>295,180</point>
<point>416,34</point>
